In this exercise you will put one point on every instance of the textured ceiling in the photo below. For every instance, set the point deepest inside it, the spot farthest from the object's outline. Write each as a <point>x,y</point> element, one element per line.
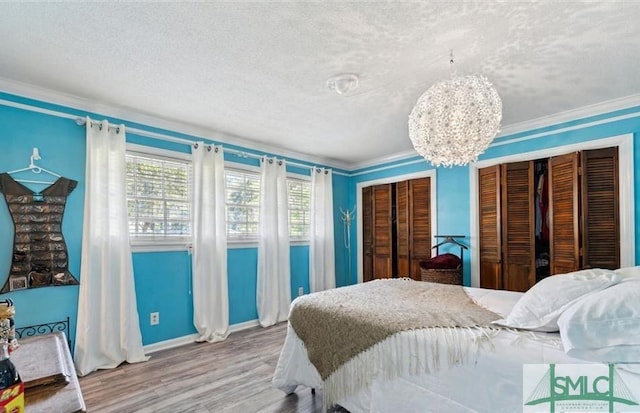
<point>258,70</point>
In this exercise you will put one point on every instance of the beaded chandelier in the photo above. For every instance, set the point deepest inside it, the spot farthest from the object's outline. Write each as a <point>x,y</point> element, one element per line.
<point>455,120</point>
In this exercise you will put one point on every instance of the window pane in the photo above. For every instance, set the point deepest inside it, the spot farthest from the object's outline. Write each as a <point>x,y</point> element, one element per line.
<point>235,196</point>
<point>150,208</point>
<point>252,182</point>
<point>243,204</point>
<point>252,228</point>
<point>235,229</point>
<point>253,214</point>
<point>234,180</point>
<point>177,227</point>
<point>158,196</point>
<point>252,198</point>
<point>147,187</point>
<point>299,204</point>
<point>177,209</point>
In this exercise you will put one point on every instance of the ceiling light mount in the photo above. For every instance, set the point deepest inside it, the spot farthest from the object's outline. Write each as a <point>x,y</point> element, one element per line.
<point>343,83</point>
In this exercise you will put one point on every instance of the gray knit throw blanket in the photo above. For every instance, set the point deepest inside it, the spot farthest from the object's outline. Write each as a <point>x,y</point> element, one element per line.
<point>336,325</point>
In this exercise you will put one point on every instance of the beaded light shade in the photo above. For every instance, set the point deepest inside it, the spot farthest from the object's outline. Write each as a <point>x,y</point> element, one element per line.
<point>455,120</point>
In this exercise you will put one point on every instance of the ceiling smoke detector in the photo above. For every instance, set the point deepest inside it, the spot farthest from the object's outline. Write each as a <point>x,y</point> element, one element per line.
<point>343,83</point>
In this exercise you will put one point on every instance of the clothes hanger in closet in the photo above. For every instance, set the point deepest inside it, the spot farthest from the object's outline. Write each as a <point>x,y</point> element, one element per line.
<point>450,239</point>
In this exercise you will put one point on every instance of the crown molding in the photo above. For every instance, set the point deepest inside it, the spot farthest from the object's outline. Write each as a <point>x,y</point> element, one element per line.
<point>398,156</point>
<point>88,105</point>
<point>571,115</point>
<point>557,119</point>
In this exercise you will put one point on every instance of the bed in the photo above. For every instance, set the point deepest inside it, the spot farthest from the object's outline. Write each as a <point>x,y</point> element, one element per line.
<point>414,371</point>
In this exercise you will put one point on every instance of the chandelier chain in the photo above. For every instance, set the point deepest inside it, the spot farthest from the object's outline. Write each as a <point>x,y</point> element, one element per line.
<point>452,67</point>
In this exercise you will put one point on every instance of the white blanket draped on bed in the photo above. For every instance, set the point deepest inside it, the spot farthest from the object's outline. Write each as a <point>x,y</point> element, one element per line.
<point>490,381</point>
<point>361,323</point>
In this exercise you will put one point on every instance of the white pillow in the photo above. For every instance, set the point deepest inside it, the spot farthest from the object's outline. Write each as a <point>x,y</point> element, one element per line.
<point>605,326</point>
<point>540,307</point>
<point>629,273</point>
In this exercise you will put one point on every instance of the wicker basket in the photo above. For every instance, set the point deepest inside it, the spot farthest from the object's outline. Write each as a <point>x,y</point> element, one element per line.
<point>442,276</point>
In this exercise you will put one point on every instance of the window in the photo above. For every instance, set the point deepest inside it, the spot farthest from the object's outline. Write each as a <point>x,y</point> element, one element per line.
<point>243,204</point>
<point>158,197</point>
<point>299,209</point>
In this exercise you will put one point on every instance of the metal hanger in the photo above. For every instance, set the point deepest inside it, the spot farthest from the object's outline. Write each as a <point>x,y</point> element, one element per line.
<point>35,156</point>
<point>450,239</point>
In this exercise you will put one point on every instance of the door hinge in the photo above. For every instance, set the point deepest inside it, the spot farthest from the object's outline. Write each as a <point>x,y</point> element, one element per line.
<point>580,171</point>
<point>581,253</point>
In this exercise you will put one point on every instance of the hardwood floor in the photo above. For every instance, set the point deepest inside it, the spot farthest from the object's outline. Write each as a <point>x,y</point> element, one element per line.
<point>231,376</point>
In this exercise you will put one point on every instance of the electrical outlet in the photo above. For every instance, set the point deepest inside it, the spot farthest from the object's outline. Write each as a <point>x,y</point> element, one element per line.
<point>154,318</point>
<point>300,291</point>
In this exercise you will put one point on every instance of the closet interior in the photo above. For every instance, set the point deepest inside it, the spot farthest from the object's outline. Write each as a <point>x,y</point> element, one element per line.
<point>548,216</point>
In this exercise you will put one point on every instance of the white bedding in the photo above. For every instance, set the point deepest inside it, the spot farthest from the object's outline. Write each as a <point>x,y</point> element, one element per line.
<point>491,381</point>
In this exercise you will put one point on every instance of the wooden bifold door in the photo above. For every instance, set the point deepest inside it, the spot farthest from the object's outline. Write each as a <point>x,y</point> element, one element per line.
<point>396,221</point>
<point>582,217</point>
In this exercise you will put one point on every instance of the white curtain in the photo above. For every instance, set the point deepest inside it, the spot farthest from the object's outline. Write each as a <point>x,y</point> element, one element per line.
<point>210,297</point>
<point>273,295</point>
<point>322,273</point>
<point>108,330</point>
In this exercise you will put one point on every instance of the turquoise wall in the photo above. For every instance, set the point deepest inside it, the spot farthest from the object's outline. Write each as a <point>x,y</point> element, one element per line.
<point>62,145</point>
<point>162,279</point>
<point>342,201</point>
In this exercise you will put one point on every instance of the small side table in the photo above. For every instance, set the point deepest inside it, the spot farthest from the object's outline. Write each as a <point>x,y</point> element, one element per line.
<point>45,365</point>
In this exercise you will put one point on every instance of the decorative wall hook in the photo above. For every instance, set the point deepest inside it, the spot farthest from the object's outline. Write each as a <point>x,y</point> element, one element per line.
<point>35,156</point>
<point>347,217</point>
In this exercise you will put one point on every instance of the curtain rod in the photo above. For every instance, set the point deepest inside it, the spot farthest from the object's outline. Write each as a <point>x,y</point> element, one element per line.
<point>159,136</point>
<point>81,121</point>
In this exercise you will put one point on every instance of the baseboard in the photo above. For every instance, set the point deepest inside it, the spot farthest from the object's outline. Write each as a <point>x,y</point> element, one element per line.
<point>234,328</point>
<point>167,344</point>
<point>181,341</point>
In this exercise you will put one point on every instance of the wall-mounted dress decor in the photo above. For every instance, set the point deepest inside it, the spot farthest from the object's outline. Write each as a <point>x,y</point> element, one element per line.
<point>39,251</point>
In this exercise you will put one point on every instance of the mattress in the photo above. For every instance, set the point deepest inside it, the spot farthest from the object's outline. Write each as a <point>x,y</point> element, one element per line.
<point>490,380</point>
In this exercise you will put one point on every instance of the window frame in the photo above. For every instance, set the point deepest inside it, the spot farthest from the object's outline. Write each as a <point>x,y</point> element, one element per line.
<point>233,243</point>
<point>164,243</point>
<point>183,243</point>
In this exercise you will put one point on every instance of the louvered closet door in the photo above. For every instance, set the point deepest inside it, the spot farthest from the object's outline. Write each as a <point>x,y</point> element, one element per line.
<point>563,214</point>
<point>600,209</point>
<point>403,229</point>
<point>518,269</point>
<point>367,233</point>
<point>489,227</point>
<point>382,248</point>
<point>419,224</point>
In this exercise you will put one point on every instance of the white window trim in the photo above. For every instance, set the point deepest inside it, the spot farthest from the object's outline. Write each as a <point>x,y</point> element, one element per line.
<point>151,150</point>
<point>241,244</point>
<point>300,177</point>
<point>299,243</point>
<point>158,246</point>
